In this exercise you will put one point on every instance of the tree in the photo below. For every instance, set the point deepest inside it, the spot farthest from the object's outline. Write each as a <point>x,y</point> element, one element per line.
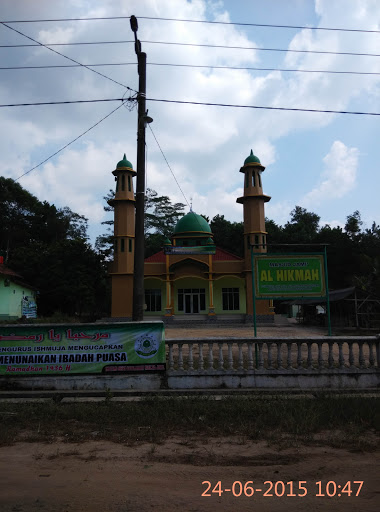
<point>353,225</point>
<point>104,242</point>
<point>49,248</point>
<point>228,235</point>
<point>161,216</point>
<point>303,226</point>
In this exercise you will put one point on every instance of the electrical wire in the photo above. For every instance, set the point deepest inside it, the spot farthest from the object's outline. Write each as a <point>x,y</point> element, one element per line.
<point>263,49</point>
<point>197,45</point>
<point>198,103</point>
<point>241,68</point>
<point>65,56</point>
<point>265,108</point>
<point>63,102</point>
<point>167,163</point>
<point>69,144</point>
<point>265,25</point>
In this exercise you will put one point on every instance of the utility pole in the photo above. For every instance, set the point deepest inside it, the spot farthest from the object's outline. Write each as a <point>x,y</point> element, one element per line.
<point>142,119</point>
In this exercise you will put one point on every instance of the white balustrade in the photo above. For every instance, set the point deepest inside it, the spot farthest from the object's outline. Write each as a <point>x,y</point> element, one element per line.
<point>240,356</point>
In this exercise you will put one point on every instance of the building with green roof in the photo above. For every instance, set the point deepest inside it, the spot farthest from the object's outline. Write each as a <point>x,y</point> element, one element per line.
<point>191,278</point>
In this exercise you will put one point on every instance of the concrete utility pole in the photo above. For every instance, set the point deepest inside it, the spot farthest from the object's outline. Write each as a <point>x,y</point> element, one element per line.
<point>142,118</point>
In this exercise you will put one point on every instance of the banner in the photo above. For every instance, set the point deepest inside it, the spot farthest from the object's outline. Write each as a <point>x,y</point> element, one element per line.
<point>198,249</point>
<point>82,348</point>
<point>289,276</point>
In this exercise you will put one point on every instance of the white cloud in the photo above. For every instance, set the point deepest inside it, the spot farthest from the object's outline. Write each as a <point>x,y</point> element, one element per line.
<point>205,146</point>
<point>338,177</point>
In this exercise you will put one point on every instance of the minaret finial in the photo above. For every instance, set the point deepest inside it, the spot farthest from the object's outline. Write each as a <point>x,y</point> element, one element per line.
<point>191,205</point>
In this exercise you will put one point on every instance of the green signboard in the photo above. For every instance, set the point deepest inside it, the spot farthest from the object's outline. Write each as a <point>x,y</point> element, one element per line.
<point>82,348</point>
<point>289,276</point>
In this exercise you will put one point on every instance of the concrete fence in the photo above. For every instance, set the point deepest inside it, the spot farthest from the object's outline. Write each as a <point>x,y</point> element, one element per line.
<point>216,363</point>
<point>302,363</point>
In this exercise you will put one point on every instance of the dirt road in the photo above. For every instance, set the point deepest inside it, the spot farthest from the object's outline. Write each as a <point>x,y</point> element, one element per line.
<point>102,476</point>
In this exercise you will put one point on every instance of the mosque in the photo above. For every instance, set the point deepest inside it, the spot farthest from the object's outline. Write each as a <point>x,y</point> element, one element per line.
<point>190,278</point>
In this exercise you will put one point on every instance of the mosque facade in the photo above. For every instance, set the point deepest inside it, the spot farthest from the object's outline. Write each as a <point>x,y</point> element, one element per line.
<point>190,277</point>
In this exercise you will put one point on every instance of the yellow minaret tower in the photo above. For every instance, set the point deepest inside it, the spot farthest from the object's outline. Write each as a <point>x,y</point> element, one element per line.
<point>253,202</point>
<point>124,240</point>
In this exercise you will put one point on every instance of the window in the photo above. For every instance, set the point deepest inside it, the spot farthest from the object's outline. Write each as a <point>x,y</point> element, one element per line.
<point>257,242</point>
<point>122,245</point>
<point>253,179</point>
<point>153,300</point>
<point>259,180</point>
<point>230,299</point>
<point>129,183</point>
<point>246,179</point>
<point>123,182</point>
<point>130,244</point>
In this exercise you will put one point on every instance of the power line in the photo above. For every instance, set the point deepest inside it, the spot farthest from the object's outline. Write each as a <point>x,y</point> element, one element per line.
<point>158,144</point>
<point>265,69</point>
<point>266,108</point>
<point>11,68</point>
<point>65,56</point>
<point>67,145</point>
<point>196,45</point>
<point>263,49</point>
<point>196,103</point>
<point>265,25</point>
<point>63,102</point>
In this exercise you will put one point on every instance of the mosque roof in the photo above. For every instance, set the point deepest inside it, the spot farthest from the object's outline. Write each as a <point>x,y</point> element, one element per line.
<point>192,223</point>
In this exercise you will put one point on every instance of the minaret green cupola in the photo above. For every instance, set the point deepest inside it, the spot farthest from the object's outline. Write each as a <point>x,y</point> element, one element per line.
<point>252,159</point>
<point>124,164</point>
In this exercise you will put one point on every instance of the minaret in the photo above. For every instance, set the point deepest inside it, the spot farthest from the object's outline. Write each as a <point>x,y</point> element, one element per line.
<point>124,240</point>
<point>253,202</point>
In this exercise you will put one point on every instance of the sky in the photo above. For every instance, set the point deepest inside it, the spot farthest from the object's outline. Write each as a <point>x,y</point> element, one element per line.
<point>326,163</point>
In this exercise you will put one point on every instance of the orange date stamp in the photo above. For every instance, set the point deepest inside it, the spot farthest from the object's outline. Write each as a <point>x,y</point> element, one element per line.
<point>281,489</point>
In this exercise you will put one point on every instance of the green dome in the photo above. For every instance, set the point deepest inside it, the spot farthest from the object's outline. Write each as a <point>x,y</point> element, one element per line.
<point>252,159</point>
<point>124,163</point>
<point>192,223</point>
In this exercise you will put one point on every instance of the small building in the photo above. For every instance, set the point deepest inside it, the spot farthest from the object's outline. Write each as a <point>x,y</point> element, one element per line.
<point>17,299</point>
<point>190,277</point>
